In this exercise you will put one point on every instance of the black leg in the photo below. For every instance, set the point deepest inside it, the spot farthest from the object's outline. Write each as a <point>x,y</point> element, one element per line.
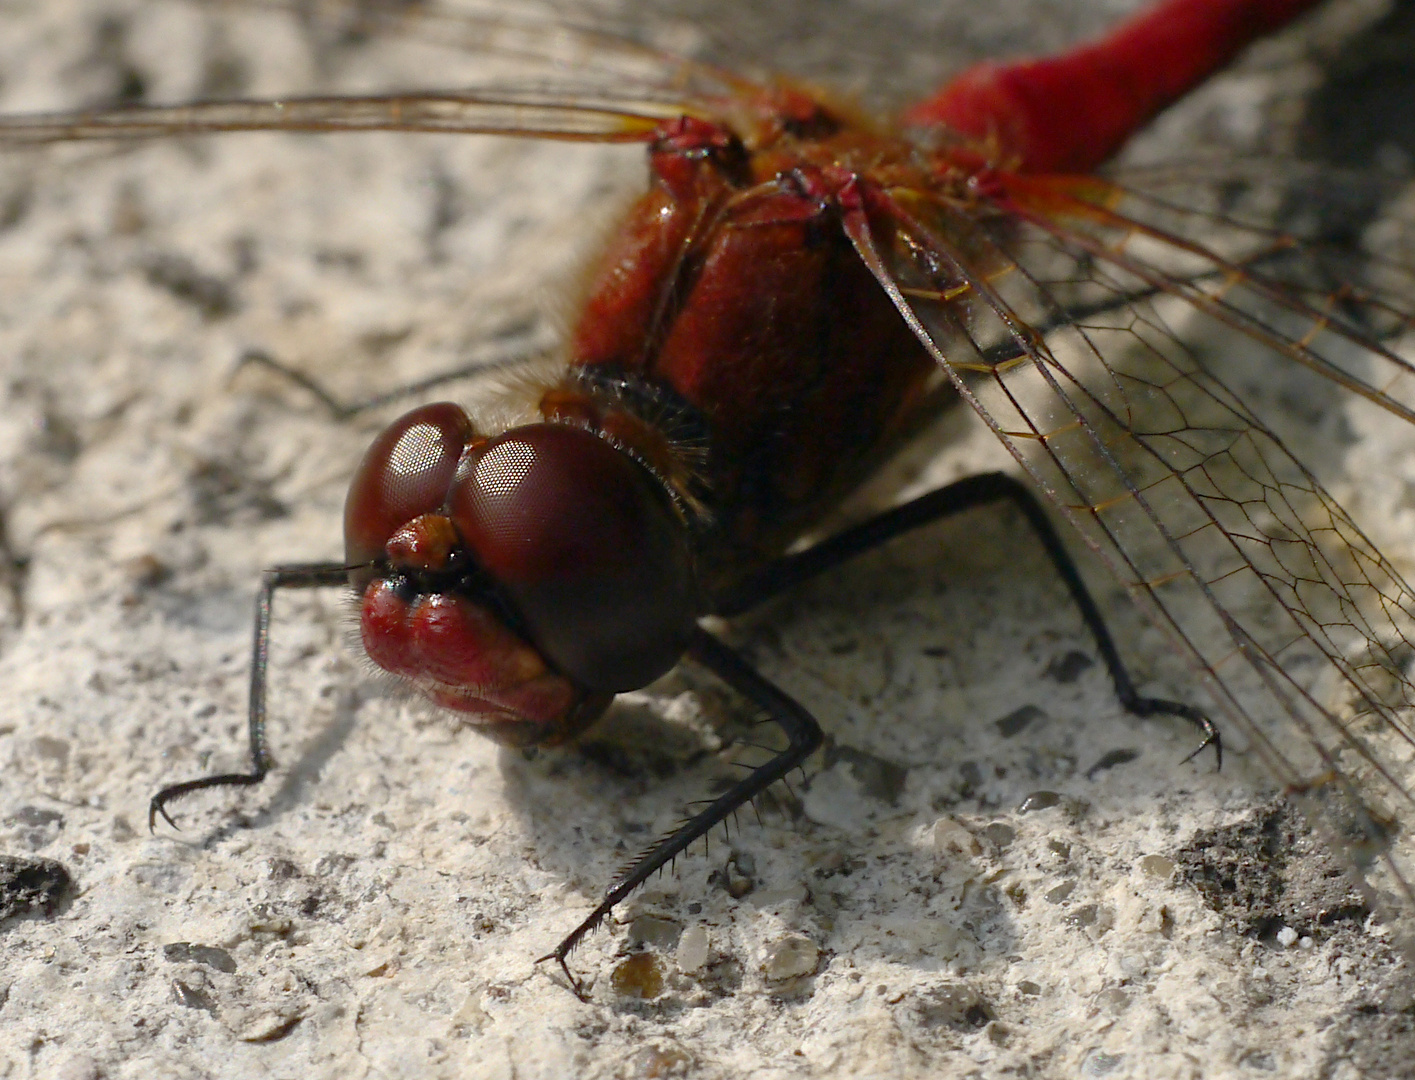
<point>803,735</point>
<point>495,356</point>
<point>792,570</point>
<point>311,576</point>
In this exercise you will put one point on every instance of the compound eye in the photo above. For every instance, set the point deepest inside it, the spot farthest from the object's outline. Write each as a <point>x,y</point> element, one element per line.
<point>584,543</point>
<point>404,474</point>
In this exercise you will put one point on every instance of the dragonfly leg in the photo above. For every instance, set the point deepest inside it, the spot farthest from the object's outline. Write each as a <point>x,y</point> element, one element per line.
<point>803,737</point>
<point>792,570</point>
<point>496,355</point>
<point>305,576</point>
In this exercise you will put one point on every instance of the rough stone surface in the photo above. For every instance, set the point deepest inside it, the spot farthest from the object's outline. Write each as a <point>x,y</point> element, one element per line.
<point>991,870</point>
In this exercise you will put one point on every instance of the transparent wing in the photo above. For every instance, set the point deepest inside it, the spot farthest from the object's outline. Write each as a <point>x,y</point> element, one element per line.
<point>1258,281</point>
<point>538,38</point>
<point>529,113</point>
<point>1053,319</point>
<point>563,82</point>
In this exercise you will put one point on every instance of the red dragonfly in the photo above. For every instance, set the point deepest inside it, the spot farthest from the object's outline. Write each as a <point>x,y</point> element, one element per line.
<point>799,287</point>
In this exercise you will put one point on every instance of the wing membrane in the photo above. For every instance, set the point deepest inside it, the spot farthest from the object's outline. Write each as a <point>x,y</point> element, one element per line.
<point>1299,628</point>
<point>536,46</point>
<point>532,36</point>
<point>1338,334</point>
<point>505,113</point>
<point>570,83</point>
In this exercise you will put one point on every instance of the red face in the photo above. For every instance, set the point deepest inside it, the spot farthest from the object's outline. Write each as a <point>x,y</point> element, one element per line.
<point>522,579</point>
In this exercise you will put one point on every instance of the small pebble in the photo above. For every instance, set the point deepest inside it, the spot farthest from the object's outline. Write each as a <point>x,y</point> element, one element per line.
<point>1113,999</point>
<point>693,949</point>
<point>1018,719</point>
<point>269,1026</point>
<point>1157,866</point>
<point>790,958</point>
<point>738,876</point>
<point>1287,937</point>
<point>655,1062</point>
<point>951,838</point>
<point>1133,965</point>
<point>655,931</point>
<point>1082,917</point>
<point>639,976</point>
<point>1039,800</point>
<point>1000,834</point>
<point>1099,1063</point>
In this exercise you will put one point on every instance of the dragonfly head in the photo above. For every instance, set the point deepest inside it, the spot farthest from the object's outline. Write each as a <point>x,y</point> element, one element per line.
<point>521,579</point>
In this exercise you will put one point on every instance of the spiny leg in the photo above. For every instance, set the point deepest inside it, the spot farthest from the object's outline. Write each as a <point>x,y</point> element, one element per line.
<point>975,491</point>
<point>304,576</point>
<point>803,737</point>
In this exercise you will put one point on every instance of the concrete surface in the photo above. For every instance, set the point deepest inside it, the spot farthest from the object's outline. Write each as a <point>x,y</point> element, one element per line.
<point>991,871</point>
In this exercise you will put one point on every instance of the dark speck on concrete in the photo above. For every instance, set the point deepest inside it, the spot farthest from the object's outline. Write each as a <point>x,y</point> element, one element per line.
<point>1038,800</point>
<point>1067,668</point>
<point>192,997</point>
<point>36,816</point>
<point>953,1005</point>
<point>1018,719</point>
<point>31,884</point>
<point>180,277</point>
<point>878,778</point>
<point>1268,872</point>
<point>1110,760</point>
<point>212,957</point>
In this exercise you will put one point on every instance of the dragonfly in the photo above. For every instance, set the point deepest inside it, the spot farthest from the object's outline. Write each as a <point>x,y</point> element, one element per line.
<point>800,287</point>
